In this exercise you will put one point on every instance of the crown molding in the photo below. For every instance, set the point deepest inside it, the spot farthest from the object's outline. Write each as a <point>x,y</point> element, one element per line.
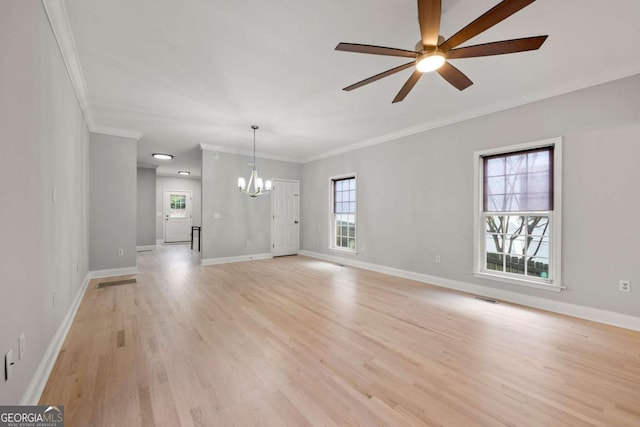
<point>584,83</point>
<point>59,22</point>
<point>57,15</point>
<point>124,133</point>
<point>228,150</point>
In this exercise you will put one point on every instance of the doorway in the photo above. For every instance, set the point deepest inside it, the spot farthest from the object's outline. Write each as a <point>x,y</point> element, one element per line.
<point>285,214</point>
<point>177,216</point>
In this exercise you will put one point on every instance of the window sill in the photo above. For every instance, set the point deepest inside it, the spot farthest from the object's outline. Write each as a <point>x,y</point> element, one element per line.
<point>520,282</point>
<point>343,251</point>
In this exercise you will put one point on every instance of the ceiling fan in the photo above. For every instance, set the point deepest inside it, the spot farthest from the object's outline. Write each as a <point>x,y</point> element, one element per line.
<point>432,52</point>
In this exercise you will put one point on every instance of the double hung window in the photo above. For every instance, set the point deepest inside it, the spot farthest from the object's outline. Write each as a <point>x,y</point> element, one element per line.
<point>517,228</point>
<point>343,213</point>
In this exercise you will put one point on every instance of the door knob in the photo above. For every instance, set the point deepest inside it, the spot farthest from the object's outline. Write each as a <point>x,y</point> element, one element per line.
<point>295,222</point>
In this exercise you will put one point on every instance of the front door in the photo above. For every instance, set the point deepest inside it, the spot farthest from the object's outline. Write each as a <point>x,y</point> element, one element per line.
<point>177,216</point>
<point>285,217</point>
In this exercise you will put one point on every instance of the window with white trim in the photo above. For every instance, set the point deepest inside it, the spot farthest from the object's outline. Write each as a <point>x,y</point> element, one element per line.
<point>343,213</point>
<point>518,223</point>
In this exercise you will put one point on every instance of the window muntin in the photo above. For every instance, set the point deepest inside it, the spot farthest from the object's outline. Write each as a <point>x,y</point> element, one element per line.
<point>344,213</point>
<point>518,238</point>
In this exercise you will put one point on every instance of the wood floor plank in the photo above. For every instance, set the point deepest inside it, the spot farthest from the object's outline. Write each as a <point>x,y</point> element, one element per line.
<point>295,341</point>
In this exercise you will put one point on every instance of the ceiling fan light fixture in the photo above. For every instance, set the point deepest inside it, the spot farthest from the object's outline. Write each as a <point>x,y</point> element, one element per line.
<point>430,61</point>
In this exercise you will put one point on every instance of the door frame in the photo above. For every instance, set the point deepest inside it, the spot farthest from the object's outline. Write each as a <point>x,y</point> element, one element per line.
<point>273,215</point>
<point>164,210</point>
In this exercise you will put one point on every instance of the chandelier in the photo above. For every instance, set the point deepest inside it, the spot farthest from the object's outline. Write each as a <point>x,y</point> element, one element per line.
<point>255,187</point>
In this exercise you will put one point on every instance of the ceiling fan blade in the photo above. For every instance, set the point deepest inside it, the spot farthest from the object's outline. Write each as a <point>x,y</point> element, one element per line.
<point>454,76</point>
<point>498,48</point>
<point>379,76</point>
<point>429,17</point>
<point>375,50</point>
<point>498,13</point>
<point>409,84</point>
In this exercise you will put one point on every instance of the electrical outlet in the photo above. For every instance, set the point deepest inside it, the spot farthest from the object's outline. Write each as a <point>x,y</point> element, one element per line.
<point>625,286</point>
<point>8,365</point>
<point>438,259</point>
<point>248,242</point>
<point>21,346</point>
<point>120,252</point>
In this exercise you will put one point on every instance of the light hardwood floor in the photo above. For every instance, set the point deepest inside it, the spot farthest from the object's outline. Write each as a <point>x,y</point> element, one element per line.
<point>295,341</point>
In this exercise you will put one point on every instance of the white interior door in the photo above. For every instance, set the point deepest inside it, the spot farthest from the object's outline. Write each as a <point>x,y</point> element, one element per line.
<point>177,216</point>
<point>285,205</point>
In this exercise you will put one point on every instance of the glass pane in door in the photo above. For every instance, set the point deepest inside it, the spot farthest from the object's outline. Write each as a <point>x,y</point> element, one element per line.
<point>178,206</point>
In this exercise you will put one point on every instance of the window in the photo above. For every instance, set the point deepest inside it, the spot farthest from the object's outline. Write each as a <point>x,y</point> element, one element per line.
<point>343,213</point>
<point>178,206</point>
<point>518,220</point>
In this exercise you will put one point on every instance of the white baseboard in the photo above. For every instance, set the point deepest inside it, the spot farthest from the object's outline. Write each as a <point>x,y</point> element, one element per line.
<point>145,248</point>
<point>241,258</point>
<point>99,274</point>
<point>574,310</point>
<point>159,241</point>
<point>39,380</point>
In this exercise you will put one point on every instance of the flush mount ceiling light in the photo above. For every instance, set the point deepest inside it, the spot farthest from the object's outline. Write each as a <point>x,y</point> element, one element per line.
<point>184,173</point>
<point>255,187</point>
<point>162,156</point>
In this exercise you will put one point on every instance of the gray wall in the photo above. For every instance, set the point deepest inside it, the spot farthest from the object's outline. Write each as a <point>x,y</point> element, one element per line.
<point>244,227</point>
<point>415,194</point>
<point>44,144</point>
<point>146,214</point>
<point>177,183</point>
<point>113,202</point>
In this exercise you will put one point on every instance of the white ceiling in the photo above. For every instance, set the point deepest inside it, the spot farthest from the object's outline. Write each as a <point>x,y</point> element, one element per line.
<point>202,71</point>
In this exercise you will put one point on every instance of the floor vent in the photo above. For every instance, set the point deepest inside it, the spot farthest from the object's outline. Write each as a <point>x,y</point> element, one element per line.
<point>115,283</point>
<point>489,300</point>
